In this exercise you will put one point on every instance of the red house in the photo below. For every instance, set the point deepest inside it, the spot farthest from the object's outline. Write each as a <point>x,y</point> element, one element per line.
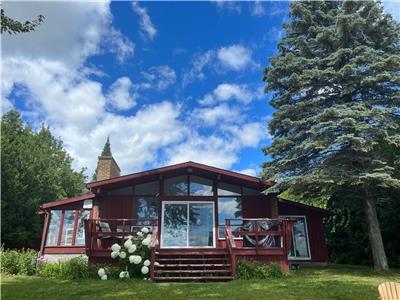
<point>203,219</point>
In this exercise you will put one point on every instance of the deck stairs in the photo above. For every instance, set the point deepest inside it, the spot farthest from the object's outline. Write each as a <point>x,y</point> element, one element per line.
<point>192,265</point>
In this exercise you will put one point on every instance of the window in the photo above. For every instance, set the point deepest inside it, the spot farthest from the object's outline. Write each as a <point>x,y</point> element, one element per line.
<point>67,233</point>
<point>300,243</point>
<point>145,208</point>
<point>200,186</point>
<point>228,208</point>
<point>148,188</point>
<point>54,228</point>
<point>80,229</point>
<point>176,186</point>
<point>122,191</point>
<point>226,189</point>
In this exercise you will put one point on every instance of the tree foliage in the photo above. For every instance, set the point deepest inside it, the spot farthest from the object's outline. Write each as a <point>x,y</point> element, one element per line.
<point>35,169</point>
<point>335,84</point>
<point>12,26</point>
<point>107,148</point>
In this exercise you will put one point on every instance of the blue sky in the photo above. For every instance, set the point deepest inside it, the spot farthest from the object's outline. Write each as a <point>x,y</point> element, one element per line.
<point>167,81</point>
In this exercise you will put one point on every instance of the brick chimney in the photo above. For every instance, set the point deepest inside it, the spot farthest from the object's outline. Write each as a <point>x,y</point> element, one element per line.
<point>107,167</point>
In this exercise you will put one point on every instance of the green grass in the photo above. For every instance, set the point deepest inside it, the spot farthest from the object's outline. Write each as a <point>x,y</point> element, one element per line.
<point>333,282</point>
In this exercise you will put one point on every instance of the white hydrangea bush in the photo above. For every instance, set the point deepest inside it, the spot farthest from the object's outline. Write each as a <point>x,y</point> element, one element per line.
<point>133,256</point>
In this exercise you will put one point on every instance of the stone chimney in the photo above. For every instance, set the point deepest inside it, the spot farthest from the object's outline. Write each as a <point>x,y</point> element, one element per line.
<point>107,167</point>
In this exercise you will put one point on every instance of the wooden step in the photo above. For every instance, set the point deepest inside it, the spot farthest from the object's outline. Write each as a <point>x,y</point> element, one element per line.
<point>191,265</point>
<point>194,278</point>
<point>193,258</point>
<point>190,271</point>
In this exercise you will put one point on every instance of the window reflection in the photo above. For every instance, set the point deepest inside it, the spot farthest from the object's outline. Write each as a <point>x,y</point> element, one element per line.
<point>54,227</point>
<point>176,186</point>
<point>228,208</point>
<point>68,228</point>
<point>146,208</point>
<point>226,189</point>
<point>200,186</point>
<point>80,230</point>
<point>300,239</point>
<point>148,188</point>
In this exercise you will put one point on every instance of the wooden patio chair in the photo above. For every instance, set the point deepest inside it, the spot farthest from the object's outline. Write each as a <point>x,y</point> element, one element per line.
<point>389,291</point>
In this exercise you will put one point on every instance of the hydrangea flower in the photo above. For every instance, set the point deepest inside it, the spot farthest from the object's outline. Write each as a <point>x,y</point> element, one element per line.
<point>115,247</point>
<point>114,254</point>
<point>145,270</point>
<point>124,274</point>
<point>132,249</point>
<point>145,230</point>
<point>104,277</point>
<point>156,263</point>
<point>146,263</point>
<point>128,243</point>
<point>140,234</point>
<point>122,254</point>
<point>146,241</point>
<point>101,272</point>
<point>135,259</point>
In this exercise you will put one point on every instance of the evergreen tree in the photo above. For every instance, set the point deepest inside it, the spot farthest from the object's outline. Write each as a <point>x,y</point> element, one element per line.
<point>335,84</point>
<point>107,148</point>
<point>34,169</point>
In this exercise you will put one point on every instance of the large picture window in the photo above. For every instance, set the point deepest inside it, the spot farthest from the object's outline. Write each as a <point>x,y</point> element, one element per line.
<point>146,208</point>
<point>300,242</point>
<point>66,228</point>
<point>228,208</point>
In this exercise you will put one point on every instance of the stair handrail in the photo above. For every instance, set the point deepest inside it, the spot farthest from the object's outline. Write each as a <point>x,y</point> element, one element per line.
<point>231,245</point>
<point>154,246</point>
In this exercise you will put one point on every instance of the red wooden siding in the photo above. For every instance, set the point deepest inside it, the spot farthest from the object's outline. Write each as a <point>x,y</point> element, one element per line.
<point>116,207</point>
<point>315,228</point>
<point>256,207</point>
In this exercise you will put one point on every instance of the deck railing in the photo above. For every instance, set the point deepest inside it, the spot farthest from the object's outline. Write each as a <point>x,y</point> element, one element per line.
<point>261,236</point>
<point>100,234</point>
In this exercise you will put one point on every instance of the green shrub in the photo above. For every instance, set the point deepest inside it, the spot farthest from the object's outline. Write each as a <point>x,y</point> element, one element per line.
<point>21,262</point>
<point>111,271</point>
<point>74,268</point>
<point>257,270</point>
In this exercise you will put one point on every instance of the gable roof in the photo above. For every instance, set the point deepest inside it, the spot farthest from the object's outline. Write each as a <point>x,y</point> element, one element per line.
<point>189,164</point>
<point>322,211</point>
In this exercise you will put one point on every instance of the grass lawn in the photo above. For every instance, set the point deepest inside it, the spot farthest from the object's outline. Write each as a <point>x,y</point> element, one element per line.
<point>333,282</point>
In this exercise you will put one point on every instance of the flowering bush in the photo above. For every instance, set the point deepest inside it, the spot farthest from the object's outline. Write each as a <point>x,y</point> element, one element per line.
<point>133,256</point>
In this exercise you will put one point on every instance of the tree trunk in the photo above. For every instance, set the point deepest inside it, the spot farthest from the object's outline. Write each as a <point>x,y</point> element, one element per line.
<point>375,237</point>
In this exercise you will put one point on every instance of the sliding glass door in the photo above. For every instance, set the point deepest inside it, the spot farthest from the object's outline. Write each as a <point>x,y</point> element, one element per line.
<point>187,224</point>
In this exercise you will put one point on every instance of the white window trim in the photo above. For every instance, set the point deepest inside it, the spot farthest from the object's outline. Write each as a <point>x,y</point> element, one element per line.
<point>187,203</point>
<point>308,238</point>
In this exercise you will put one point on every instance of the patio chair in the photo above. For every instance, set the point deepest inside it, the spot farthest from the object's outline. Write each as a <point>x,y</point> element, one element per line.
<point>389,291</point>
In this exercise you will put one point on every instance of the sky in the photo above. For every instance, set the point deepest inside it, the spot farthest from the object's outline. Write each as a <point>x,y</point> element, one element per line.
<point>168,82</point>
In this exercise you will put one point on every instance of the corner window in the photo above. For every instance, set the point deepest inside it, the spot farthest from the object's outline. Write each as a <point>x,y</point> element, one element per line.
<point>70,232</point>
<point>67,233</point>
<point>54,228</point>
<point>228,208</point>
<point>80,229</point>
<point>300,242</point>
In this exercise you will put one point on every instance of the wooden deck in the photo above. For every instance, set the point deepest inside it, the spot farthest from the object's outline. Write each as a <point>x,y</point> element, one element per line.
<point>196,264</point>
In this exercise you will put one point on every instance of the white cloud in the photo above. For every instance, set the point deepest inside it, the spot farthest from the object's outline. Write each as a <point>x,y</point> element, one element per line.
<point>160,77</point>
<point>71,32</point>
<point>230,5</point>
<point>215,115</point>
<point>121,94</point>
<point>248,171</point>
<point>196,72</point>
<point>146,26</point>
<point>49,67</point>
<point>235,57</point>
<point>120,45</point>
<point>257,9</point>
<point>226,92</point>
